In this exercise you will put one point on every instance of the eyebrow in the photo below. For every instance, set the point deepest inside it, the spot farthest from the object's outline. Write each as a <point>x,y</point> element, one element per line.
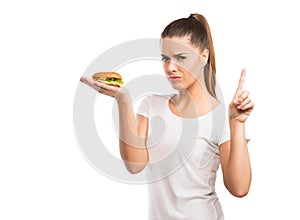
<point>178,54</point>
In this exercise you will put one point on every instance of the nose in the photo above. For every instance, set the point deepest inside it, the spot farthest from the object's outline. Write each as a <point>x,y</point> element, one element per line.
<point>171,67</point>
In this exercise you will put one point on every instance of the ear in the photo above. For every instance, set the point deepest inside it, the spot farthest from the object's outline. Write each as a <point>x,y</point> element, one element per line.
<point>205,55</point>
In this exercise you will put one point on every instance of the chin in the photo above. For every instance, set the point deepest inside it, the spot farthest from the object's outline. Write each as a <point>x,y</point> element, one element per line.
<point>180,86</point>
<point>177,86</point>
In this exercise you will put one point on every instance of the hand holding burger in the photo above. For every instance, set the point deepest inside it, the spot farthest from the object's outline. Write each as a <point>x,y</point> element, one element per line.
<point>108,83</point>
<point>109,78</point>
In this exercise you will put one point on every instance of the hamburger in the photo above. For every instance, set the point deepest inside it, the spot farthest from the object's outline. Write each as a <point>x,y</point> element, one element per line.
<point>109,78</point>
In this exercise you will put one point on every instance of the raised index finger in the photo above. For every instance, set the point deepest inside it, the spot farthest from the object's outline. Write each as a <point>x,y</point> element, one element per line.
<point>242,79</point>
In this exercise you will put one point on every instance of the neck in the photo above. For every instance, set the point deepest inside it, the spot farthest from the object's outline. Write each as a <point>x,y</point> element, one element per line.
<point>194,94</point>
<point>195,100</point>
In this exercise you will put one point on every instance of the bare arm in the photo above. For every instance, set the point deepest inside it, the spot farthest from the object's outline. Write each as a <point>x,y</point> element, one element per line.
<point>132,131</point>
<point>235,161</point>
<point>234,154</point>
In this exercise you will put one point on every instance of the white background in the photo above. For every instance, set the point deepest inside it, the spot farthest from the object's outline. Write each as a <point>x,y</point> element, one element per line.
<point>46,46</point>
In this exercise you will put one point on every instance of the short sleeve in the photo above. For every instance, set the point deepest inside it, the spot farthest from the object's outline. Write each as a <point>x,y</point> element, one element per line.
<point>226,132</point>
<point>144,107</point>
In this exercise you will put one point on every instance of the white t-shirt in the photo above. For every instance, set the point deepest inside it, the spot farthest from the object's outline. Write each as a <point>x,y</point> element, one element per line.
<point>183,161</point>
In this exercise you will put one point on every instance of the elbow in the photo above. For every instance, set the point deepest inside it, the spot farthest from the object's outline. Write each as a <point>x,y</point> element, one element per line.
<point>238,187</point>
<point>134,171</point>
<point>239,192</point>
<point>134,168</point>
<point>134,161</point>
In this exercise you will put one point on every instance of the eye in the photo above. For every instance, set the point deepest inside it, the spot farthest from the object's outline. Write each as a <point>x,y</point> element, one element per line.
<point>165,59</point>
<point>180,58</point>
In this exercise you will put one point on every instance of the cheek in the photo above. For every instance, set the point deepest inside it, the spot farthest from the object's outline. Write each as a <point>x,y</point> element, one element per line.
<point>192,68</point>
<point>165,67</point>
<point>198,68</point>
<point>190,63</point>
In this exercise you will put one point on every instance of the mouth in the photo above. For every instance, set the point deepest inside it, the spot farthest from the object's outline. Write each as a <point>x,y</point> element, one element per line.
<point>175,78</point>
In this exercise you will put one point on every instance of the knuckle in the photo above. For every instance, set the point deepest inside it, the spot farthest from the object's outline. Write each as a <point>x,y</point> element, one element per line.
<point>245,94</point>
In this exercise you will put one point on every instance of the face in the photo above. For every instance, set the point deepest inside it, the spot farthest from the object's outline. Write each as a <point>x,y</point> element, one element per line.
<point>183,63</point>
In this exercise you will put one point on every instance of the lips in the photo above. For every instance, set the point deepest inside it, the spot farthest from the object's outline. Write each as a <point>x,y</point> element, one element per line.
<point>174,78</point>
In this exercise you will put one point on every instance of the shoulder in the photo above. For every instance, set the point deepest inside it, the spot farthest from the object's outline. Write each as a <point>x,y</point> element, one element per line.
<point>156,98</point>
<point>152,104</point>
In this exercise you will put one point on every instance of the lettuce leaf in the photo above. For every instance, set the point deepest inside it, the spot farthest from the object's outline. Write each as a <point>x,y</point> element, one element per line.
<point>114,80</point>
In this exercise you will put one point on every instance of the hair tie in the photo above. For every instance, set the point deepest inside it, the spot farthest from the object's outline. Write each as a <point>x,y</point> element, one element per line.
<point>192,17</point>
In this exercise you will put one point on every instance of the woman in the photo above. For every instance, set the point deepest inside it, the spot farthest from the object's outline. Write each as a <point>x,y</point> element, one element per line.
<point>187,189</point>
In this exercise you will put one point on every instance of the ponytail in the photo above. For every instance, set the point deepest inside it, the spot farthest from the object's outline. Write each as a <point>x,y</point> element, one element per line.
<point>210,67</point>
<point>196,26</point>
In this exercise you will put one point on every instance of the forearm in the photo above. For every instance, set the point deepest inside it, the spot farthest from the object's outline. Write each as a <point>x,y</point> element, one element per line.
<point>132,147</point>
<point>238,173</point>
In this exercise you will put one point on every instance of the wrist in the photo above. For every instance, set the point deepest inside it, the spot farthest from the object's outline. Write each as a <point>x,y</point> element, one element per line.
<point>237,131</point>
<point>123,97</point>
<point>236,122</point>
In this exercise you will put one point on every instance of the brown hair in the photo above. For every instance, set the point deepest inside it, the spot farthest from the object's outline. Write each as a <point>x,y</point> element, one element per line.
<point>197,28</point>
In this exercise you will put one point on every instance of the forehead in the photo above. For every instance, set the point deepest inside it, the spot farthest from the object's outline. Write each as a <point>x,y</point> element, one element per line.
<point>177,45</point>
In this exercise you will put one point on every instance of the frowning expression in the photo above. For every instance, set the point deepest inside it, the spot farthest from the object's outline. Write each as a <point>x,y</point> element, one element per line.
<point>183,63</point>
